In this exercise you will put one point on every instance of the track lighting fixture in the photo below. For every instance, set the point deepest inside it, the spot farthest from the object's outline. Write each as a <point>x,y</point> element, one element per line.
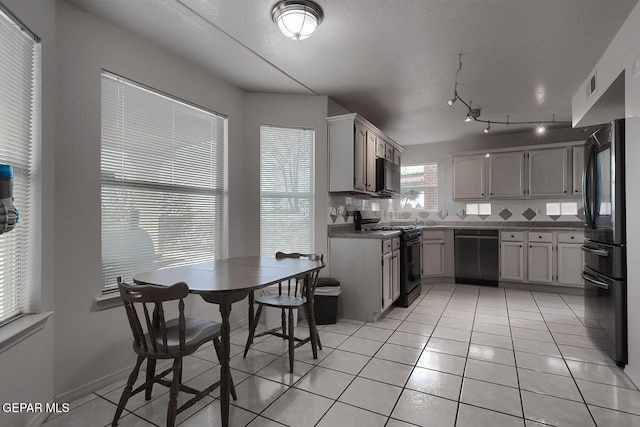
<point>474,114</point>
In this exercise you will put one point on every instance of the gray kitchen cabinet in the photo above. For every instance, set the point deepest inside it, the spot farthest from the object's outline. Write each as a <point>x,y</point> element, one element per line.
<point>369,274</point>
<point>570,259</point>
<point>506,175</point>
<point>469,177</point>
<point>360,158</point>
<point>577,169</point>
<point>512,258</point>
<point>390,271</point>
<point>354,144</point>
<point>540,257</point>
<point>548,172</point>
<point>437,254</point>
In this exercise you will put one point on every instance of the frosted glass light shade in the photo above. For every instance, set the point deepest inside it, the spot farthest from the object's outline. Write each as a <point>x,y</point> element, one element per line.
<point>297,20</point>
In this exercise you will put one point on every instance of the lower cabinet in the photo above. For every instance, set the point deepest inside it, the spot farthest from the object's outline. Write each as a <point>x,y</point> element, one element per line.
<point>570,259</point>
<point>540,257</point>
<point>512,260</point>
<point>549,258</point>
<point>437,253</point>
<point>390,271</point>
<point>369,273</point>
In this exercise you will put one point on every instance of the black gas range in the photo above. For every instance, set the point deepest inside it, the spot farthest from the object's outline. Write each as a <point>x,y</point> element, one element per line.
<point>410,256</point>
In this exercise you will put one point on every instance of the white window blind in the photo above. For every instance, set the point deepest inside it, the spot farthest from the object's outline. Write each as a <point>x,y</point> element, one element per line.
<point>163,193</point>
<point>19,95</point>
<point>286,189</point>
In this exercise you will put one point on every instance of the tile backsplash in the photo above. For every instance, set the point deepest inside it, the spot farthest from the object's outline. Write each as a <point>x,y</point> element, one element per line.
<point>341,210</point>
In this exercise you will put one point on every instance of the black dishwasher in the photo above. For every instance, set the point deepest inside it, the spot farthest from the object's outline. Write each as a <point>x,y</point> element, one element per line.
<point>476,257</point>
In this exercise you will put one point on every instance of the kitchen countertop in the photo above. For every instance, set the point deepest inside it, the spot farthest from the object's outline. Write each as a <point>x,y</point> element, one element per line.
<point>347,230</point>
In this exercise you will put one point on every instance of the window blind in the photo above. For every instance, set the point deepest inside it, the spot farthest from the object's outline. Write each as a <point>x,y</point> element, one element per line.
<point>19,83</point>
<point>286,189</point>
<point>163,193</point>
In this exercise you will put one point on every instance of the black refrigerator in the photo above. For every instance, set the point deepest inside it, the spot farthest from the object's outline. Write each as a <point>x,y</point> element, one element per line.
<point>605,261</point>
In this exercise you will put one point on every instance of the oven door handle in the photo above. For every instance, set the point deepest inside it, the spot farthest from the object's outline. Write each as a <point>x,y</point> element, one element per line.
<point>599,252</point>
<point>594,281</point>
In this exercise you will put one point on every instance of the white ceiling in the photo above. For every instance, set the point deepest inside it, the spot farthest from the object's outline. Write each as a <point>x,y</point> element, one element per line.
<point>394,61</point>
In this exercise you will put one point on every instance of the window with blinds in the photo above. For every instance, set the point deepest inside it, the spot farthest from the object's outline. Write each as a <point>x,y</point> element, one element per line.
<point>19,129</point>
<point>286,189</point>
<point>163,192</point>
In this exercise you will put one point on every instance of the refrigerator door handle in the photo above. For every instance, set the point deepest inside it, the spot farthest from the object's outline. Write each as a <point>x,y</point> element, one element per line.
<point>594,281</point>
<point>599,252</point>
<point>588,188</point>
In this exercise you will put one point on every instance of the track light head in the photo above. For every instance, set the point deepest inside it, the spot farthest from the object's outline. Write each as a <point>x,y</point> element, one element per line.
<point>540,130</point>
<point>472,115</point>
<point>452,101</point>
<point>488,128</point>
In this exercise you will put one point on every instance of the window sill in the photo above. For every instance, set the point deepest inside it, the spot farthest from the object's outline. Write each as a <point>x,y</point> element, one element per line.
<point>20,329</point>
<point>104,302</point>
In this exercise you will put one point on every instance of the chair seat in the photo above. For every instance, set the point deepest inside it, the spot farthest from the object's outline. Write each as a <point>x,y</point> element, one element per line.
<point>281,301</point>
<point>197,331</point>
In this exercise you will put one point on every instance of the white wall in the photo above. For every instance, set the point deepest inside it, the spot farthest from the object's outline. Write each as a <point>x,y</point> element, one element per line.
<point>287,110</point>
<point>27,369</point>
<point>618,58</point>
<point>92,345</point>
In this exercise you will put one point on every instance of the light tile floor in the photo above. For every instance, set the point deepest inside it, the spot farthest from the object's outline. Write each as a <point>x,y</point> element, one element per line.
<point>460,356</point>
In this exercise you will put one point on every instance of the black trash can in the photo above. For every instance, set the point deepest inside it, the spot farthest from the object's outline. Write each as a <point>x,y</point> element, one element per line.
<point>325,305</point>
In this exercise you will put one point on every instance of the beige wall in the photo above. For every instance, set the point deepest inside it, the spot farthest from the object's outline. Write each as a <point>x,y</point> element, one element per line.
<point>90,345</point>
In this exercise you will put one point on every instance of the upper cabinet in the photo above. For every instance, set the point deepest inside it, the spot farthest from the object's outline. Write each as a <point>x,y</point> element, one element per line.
<point>577,169</point>
<point>548,172</point>
<point>553,170</point>
<point>468,177</point>
<point>354,145</point>
<point>506,175</point>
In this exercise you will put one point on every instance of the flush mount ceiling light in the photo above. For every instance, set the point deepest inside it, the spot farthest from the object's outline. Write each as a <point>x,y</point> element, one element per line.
<point>474,114</point>
<point>297,19</point>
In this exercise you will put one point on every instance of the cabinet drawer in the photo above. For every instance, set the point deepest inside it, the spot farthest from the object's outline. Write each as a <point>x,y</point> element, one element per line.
<point>433,235</point>
<point>395,243</point>
<point>512,236</point>
<point>386,246</point>
<point>546,237</point>
<point>570,237</point>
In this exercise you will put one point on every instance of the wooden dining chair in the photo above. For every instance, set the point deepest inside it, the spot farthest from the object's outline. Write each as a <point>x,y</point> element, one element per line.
<point>293,294</point>
<point>156,338</point>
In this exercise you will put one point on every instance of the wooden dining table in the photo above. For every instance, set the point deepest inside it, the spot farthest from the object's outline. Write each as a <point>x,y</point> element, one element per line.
<point>224,282</point>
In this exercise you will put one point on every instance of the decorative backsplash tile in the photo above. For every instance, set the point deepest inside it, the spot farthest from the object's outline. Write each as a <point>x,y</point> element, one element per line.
<point>341,211</point>
<point>529,214</point>
<point>505,214</point>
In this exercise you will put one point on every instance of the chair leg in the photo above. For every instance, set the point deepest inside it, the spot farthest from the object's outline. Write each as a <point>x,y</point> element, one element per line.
<point>291,340</point>
<point>252,330</point>
<point>232,388</point>
<point>151,372</point>
<point>313,330</point>
<point>172,410</point>
<point>126,393</point>
<point>283,319</point>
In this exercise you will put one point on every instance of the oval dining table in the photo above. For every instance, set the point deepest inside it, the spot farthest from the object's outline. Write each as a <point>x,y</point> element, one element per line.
<point>224,282</point>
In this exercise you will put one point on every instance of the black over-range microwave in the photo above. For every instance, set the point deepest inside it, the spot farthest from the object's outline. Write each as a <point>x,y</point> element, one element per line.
<point>387,178</point>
